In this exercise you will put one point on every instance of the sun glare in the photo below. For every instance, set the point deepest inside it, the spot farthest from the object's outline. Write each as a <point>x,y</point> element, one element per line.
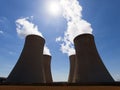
<point>54,8</point>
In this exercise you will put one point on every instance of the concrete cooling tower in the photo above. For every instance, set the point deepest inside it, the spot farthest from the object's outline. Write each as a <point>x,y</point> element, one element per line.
<point>89,66</point>
<point>29,68</point>
<point>2,80</point>
<point>47,68</point>
<point>72,59</point>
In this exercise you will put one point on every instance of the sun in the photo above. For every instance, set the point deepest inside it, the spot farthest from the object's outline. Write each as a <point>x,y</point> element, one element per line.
<point>54,8</point>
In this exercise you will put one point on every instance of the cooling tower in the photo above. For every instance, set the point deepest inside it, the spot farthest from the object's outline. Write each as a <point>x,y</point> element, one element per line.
<point>72,59</point>
<point>47,68</point>
<point>29,68</point>
<point>89,66</point>
<point>2,80</point>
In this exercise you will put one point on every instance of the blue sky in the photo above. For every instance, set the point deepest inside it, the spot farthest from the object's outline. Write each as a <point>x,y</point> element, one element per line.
<point>103,15</point>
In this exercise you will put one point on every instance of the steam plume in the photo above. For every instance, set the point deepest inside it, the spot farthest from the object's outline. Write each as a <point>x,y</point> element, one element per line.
<point>46,51</point>
<point>72,12</point>
<point>25,27</point>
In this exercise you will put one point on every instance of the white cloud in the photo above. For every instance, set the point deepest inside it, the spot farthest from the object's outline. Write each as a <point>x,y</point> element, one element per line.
<point>25,27</point>
<point>1,32</point>
<point>66,46</point>
<point>72,12</point>
<point>67,49</point>
<point>46,51</point>
<point>58,39</point>
<point>12,53</point>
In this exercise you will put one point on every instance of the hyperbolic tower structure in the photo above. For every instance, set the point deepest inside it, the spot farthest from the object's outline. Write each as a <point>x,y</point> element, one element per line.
<point>72,59</point>
<point>29,68</point>
<point>47,68</point>
<point>89,66</point>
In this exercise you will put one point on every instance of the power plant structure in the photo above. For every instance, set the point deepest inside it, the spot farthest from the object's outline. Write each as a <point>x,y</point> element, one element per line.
<point>89,66</point>
<point>29,68</point>
<point>72,60</point>
<point>2,80</point>
<point>33,66</point>
<point>47,68</point>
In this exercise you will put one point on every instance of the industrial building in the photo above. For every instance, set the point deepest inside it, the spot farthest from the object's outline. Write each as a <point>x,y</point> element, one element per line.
<point>72,60</point>
<point>89,66</point>
<point>47,68</point>
<point>33,66</point>
<point>29,67</point>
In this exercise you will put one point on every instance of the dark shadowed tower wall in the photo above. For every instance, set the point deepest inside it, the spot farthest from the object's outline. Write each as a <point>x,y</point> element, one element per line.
<point>89,66</point>
<point>29,68</point>
<point>47,68</point>
<point>72,59</point>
